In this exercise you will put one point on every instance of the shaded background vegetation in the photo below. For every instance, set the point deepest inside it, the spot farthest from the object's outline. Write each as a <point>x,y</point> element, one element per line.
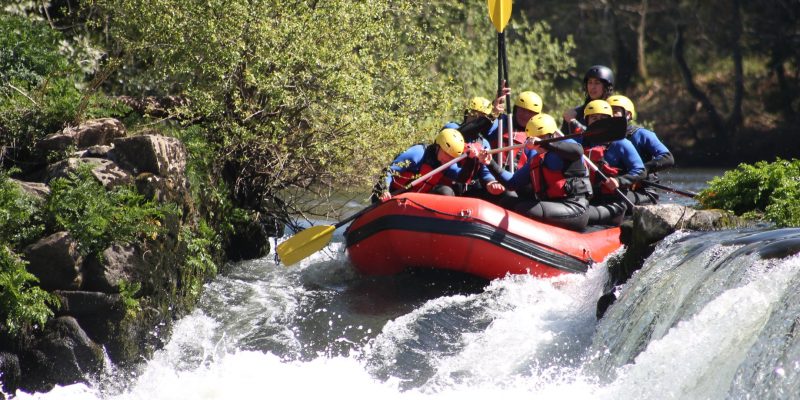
<point>278,99</point>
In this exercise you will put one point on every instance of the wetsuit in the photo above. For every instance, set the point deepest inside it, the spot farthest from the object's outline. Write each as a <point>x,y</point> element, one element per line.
<point>558,182</point>
<point>656,157</point>
<point>618,159</point>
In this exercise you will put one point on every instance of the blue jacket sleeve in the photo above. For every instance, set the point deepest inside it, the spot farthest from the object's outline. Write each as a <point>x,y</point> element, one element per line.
<point>631,162</point>
<point>409,160</point>
<point>655,154</point>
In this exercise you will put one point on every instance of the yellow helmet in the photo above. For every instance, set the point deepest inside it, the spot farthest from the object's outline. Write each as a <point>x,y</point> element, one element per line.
<point>598,107</point>
<point>619,100</point>
<point>480,104</point>
<point>451,141</point>
<point>529,101</point>
<point>541,124</point>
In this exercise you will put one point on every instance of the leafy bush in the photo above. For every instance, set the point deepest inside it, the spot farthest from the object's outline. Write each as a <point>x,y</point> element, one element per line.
<point>201,243</point>
<point>771,189</point>
<point>315,95</point>
<point>96,218</point>
<point>20,219</point>
<point>22,305</point>
<point>41,89</point>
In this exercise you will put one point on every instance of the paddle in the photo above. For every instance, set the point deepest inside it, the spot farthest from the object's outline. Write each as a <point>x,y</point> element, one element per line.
<point>313,239</point>
<point>602,131</point>
<point>500,14</point>
<point>617,123</point>
<point>668,189</point>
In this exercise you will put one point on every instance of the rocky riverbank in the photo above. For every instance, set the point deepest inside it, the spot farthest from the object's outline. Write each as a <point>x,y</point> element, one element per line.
<point>117,304</point>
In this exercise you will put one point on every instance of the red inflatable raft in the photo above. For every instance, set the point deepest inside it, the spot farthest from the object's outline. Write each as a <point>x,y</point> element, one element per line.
<point>469,235</point>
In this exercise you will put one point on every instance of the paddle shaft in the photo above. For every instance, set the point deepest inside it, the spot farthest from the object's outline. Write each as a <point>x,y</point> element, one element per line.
<point>500,125</point>
<point>413,183</point>
<point>668,189</point>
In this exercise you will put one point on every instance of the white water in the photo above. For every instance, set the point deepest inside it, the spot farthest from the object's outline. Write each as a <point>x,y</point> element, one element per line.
<point>270,332</point>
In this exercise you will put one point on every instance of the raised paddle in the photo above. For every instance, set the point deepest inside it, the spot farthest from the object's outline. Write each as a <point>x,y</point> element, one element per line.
<point>500,14</point>
<point>313,239</point>
<point>602,131</point>
<point>668,189</point>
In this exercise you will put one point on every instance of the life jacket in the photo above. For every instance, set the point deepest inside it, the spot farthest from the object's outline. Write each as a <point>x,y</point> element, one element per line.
<point>596,154</point>
<point>547,183</point>
<point>429,163</point>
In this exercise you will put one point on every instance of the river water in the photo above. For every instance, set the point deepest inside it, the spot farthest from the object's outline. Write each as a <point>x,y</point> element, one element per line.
<point>710,315</point>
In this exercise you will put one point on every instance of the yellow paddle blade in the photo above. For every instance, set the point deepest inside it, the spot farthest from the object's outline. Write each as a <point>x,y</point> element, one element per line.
<point>304,243</point>
<point>499,13</point>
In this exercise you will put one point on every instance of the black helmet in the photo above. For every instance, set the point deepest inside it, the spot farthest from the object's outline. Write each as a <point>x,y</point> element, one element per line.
<point>600,72</point>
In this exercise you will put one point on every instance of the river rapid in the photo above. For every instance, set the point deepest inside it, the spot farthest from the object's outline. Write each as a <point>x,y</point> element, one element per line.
<point>710,316</point>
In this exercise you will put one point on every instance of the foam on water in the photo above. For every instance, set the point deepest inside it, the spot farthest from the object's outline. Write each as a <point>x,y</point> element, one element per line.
<point>519,338</point>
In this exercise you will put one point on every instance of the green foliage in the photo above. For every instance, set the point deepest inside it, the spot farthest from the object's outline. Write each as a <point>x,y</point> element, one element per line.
<point>22,305</point>
<point>96,218</point>
<point>310,95</point>
<point>201,243</point>
<point>40,87</point>
<point>127,292</point>
<point>771,189</point>
<point>536,60</point>
<point>20,219</point>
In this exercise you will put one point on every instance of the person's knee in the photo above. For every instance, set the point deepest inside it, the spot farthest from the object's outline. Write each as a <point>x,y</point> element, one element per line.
<point>444,190</point>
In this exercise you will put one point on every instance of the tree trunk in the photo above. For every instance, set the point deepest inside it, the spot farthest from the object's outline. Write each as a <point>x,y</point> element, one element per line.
<point>735,118</point>
<point>624,57</point>
<point>640,51</point>
<point>717,124</point>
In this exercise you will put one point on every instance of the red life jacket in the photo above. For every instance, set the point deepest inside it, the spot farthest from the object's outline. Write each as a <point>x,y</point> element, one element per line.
<point>596,154</point>
<point>547,183</point>
<point>401,179</point>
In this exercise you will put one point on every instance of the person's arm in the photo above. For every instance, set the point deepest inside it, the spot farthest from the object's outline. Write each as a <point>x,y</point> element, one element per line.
<point>409,160</point>
<point>632,163</point>
<point>662,157</point>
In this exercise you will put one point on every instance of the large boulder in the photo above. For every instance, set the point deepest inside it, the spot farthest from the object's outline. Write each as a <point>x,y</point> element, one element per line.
<point>115,265</point>
<point>160,155</point>
<point>652,223</point>
<point>55,260</point>
<point>63,354</point>
<point>91,133</point>
<point>107,172</point>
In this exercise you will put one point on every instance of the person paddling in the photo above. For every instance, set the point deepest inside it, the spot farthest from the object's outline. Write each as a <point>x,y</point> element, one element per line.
<point>420,159</point>
<point>559,181</point>
<point>655,155</point>
<point>619,161</point>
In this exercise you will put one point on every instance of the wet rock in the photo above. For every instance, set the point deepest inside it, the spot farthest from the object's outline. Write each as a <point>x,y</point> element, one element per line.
<point>63,354</point>
<point>249,241</point>
<point>55,261</point>
<point>82,303</point>
<point>10,371</point>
